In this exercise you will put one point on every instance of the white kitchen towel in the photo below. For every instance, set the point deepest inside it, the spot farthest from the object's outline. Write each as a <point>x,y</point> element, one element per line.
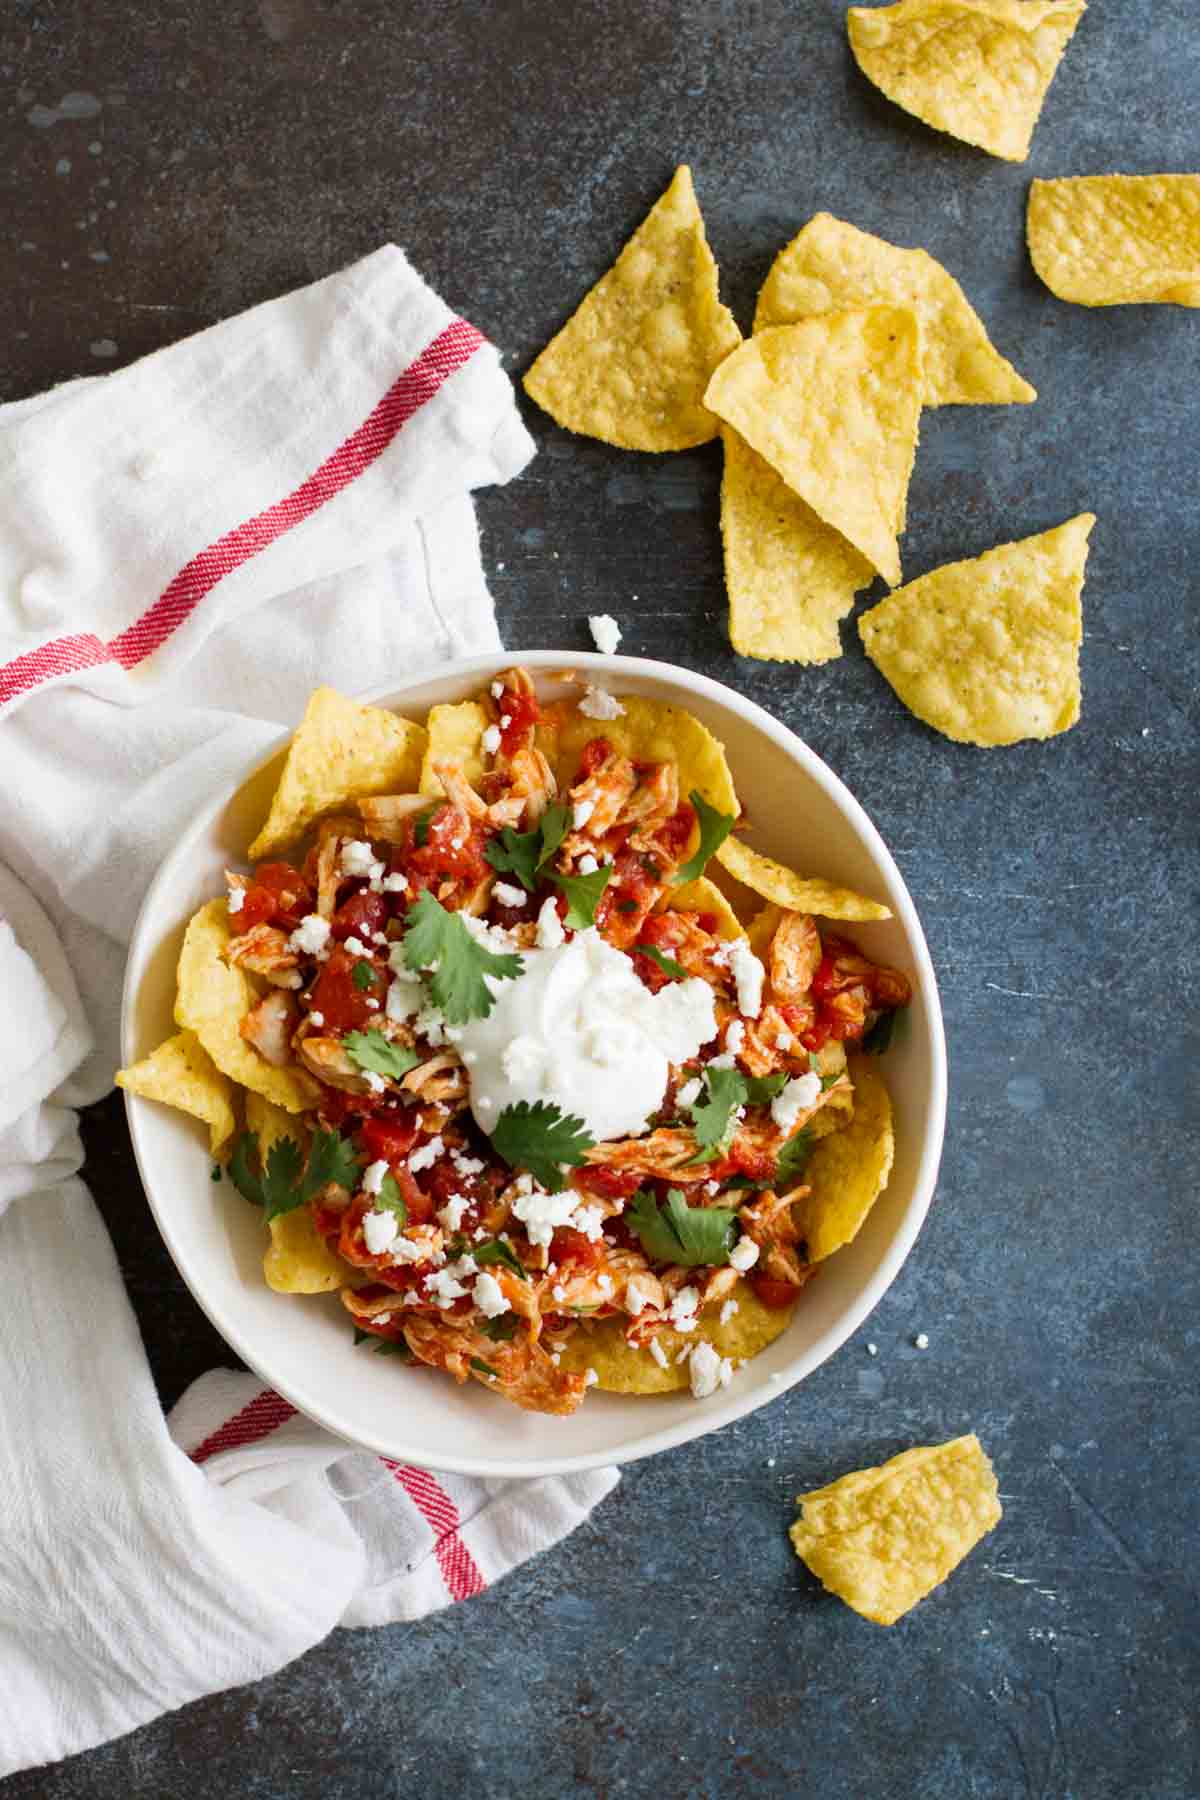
<point>187,547</point>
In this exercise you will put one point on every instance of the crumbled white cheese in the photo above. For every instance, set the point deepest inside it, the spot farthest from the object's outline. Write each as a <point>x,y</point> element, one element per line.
<point>237,899</point>
<point>357,858</point>
<point>430,1025</point>
<point>590,1378</point>
<point>550,931</point>
<point>508,894</point>
<point>659,1354</point>
<point>375,1082</point>
<point>444,1285</point>
<point>605,1284</point>
<point>356,947</point>
<point>466,1165</point>
<point>316,1018</point>
<point>689,1093</point>
<point>311,935</point>
<point>558,1292</point>
<point>606,633</point>
<point>404,1250</point>
<point>380,938</point>
<point>541,1213</point>
<point>373,1176</point>
<point>489,1297</point>
<point>492,937</point>
<point>371,1004</point>
<point>921,1341</point>
<point>735,1035</point>
<point>497,690</point>
<point>450,1216</point>
<point>636,1296</point>
<point>872,1349</point>
<point>581,813</point>
<point>727,1060</point>
<point>749,975</point>
<point>708,1371</point>
<point>744,1255</point>
<point>380,1229</point>
<point>395,884</point>
<point>784,1040</point>
<point>589,1220</point>
<point>682,1310</point>
<point>799,1096</point>
<point>405,997</point>
<point>727,1311</point>
<point>597,703</point>
<point>491,739</point>
<point>426,1155</point>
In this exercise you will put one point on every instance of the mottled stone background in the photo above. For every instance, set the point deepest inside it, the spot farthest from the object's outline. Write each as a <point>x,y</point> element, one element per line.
<point>166,162</point>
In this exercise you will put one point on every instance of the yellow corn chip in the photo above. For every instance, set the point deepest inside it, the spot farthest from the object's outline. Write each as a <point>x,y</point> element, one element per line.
<point>454,736</point>
<point>703,896</point>
<point>832,403</point>
<point>622,1369</point>
<point>849,1169</point>
<point>652,731</point>
<point>978,69</point>
<point>785,888</point>
<point>987,651</point>
<point>789,575</point>
<point>882,1539</point>
<point>297,1261</point>
<point>212,1001</point>
<point>181,1073</point>
<point>1118,240</point>
<point>340,752</point>
<point>631,365</point>
<point>832,265</point>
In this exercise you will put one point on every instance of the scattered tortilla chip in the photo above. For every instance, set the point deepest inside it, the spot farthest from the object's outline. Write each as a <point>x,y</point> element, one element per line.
<point>340,752</point>
<point>181,1073</point>
<point>652,731</point>
<point>631,365</point>
<point>832,265</point>
<point>978,69</point>
<point>785,888</point>
<point>1118,240</point>
<point>849,1169</point>
<point>987,651</point>
<point>882,1539</point>
<point>790,576</point>
<point>703,896</point>
<point>212,1001</point>
<point>625,1370</point>
<point>833,402</point>
<point>297,1260</point>
<point>454,736</point>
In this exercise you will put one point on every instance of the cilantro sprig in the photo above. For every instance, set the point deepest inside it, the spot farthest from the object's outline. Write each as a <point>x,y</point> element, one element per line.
<point>523,853</point>
<point>667,964</point>
<point>497,1251</point>
<point>715,827</point>
<point>583,894</point>
<point>284,1180</point>
<point>678,1233</point>
<point>439,941</point>
<point>362,975</point>
<point>715,1113</point>
<point>371,1050</point>
<point>538,1137</point>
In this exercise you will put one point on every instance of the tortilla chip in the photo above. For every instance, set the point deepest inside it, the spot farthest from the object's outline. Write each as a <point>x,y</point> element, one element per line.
<point>1118,240</point>
<point>652,731</point>
<point>833,402</point>
<point>987,651</point>
<point>849,1169</point>
<point>340,752</point>
<point>181,1073</point>
<point>212,1001</point>
<point>624,1370</point>
<point>789,576</point>
<point>703,896</point>
<point>978,69</point>
<point>297,1260</point>
<point>785,888</point>
<point>631,365</point>
<point>882,1539</point>
<point>831,265</point>
<point>454,736</point>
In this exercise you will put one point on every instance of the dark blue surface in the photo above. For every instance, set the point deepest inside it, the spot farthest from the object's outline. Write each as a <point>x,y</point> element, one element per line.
<point>674,1646</point>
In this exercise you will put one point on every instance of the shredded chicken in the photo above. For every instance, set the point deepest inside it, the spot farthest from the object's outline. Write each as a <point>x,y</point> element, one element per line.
<point>663,1152</point>
<point>264,950</point>
<point>325,1058</point>
<point>386,816</point>
<point>524,1373</point>
<point>442,1078</point>
<point>609,790</point>
<point>795,956</point>
<point>268,1027</point>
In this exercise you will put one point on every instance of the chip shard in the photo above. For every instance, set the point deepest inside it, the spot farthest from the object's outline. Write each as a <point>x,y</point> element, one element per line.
<point>181,1073</point>
<point>631,364</point>
<point>832,264</point>
<point>976,69</point>
<point>849,1169</point>
<point>1117,240</point>
<point>986,651</point>
<point>782,886</point>
<point>882,1539</point>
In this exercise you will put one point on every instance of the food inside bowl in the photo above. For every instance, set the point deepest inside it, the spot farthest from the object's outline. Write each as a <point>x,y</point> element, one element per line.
<point>555,1081</point>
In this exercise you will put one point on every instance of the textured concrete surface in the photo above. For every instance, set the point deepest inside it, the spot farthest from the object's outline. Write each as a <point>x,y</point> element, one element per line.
<point>224,152</point>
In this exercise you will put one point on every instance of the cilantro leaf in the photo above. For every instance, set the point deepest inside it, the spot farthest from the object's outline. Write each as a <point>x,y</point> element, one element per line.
<point>421,826</point>
<point>439,940</point>
<point>715,827</point>
<point>392,1347</point>
<point>666,963</point>
<point>523,853</point>
<point>242,1175</point>
<point>371,1050</point>
<point>286,1182</point>
<point>761,1088</point>
<point>281,1177</point>
<point>714,1117</point>
<point>503,1329</point>
<point>362,975</point>
<point>390,1199</point>
<point>482,1368</point>
<point>497,1251</point>
<point>552,829</point>
<point>583,895</point>
<point>360,1336</point>
<point>879,1038</point>
<point>792,1158</point>
<point>331,1157</point>
<point>679,1233</point>
<point>538,1137</point>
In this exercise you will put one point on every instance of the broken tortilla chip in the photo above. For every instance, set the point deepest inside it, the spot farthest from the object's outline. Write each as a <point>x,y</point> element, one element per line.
<point>831,265</point>
<point>790,576</point>
<point>977,69</point>
<point>987,651</point>
<point>703,896</point>
<point>832,403</point>
<point>798,893</point>
<point>297,1260</point>
<point>213,999</point>
<point>181,1073</point>
<point>1118,240</point>
<point>340,752</point>
<point>652,731</point>
<point>882,1539</point>
<point>624,1369</point>
<point>455,736</point>
<point>631,365</point>
<point>849,1169</point>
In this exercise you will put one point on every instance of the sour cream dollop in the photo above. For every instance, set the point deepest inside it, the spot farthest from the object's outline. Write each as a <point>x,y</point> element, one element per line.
<point>579,1030</point>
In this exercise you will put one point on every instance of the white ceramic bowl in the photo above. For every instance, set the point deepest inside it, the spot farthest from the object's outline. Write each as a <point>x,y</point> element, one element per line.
<point>302,1346</point>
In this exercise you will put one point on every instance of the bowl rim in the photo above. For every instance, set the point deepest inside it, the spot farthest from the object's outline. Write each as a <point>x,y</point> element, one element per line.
<point>715,1414</point>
